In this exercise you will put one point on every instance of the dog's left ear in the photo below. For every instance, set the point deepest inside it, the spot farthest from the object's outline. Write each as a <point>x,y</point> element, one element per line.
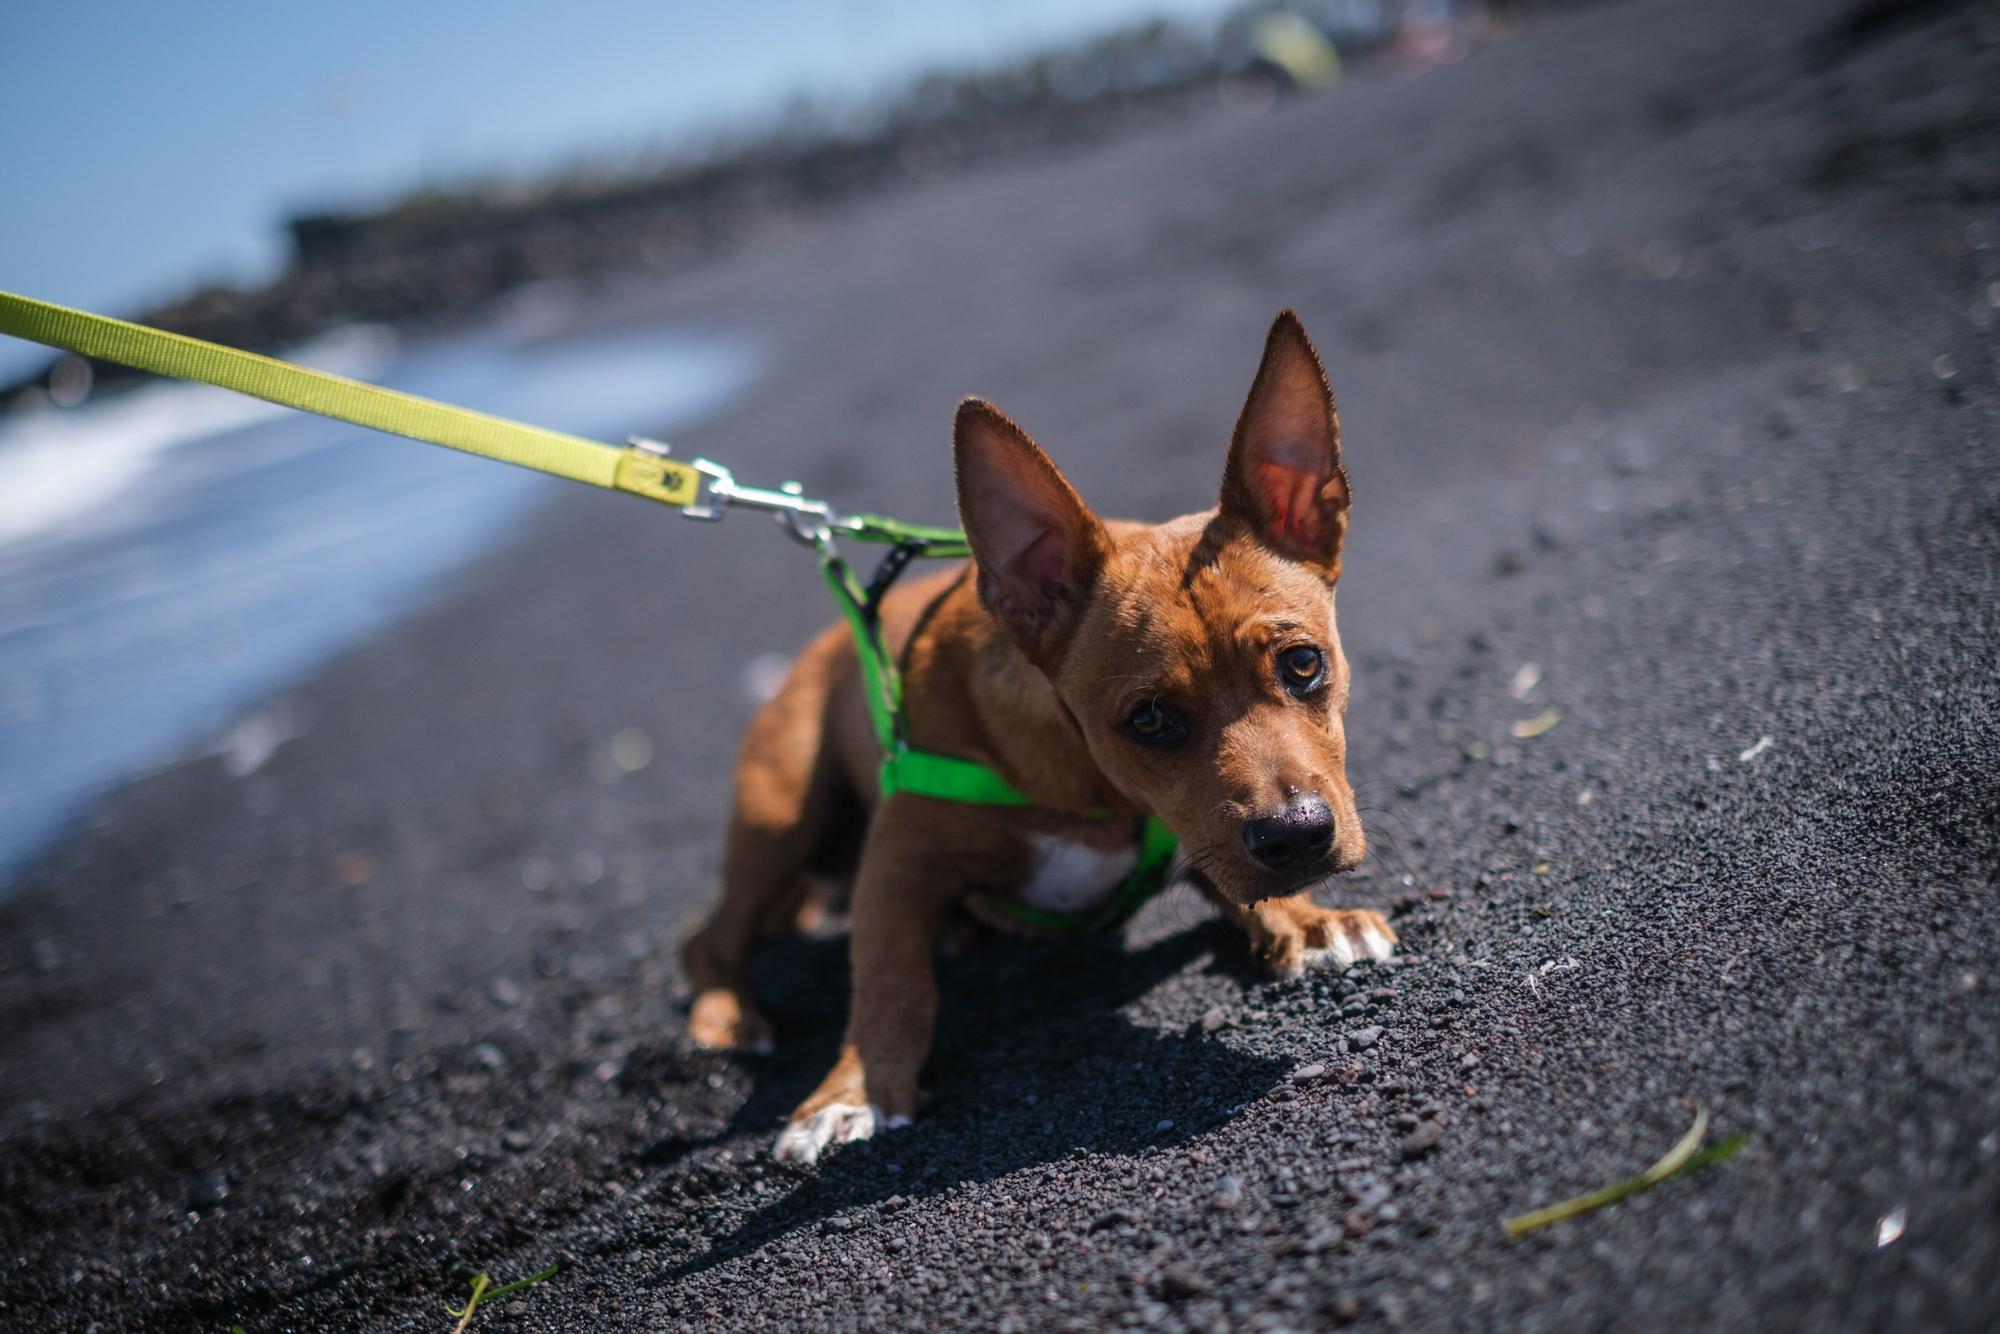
<point>1284,477</point>
<point>1037,545</point>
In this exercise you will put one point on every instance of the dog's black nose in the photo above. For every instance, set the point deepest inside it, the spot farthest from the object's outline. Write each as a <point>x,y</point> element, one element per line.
<point>1296,836</point>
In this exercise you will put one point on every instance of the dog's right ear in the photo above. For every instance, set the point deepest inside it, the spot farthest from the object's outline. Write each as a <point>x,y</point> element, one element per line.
<point>1037,545</point>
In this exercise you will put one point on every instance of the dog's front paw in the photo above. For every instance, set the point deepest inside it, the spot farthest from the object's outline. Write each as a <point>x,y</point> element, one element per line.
<point>1350,936</point>
<point>811,1133</point>
<point>1292,935</point>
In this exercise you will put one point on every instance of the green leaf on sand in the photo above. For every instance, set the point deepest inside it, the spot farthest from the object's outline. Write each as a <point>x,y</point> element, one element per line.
<point>1680,1159</point>
<point>483,1291</point>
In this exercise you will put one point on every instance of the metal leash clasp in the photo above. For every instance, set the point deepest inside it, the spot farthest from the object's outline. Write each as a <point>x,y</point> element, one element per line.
<point>808,522</point>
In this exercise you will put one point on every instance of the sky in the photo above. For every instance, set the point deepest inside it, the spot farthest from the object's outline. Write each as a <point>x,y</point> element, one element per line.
<point>146,147</point>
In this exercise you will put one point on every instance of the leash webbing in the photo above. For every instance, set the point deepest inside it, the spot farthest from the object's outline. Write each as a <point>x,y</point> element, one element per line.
<point>628,468</point>
<point>700,489</point>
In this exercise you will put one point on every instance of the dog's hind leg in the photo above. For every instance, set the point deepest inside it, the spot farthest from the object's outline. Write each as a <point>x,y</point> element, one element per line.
<point>788,794</point>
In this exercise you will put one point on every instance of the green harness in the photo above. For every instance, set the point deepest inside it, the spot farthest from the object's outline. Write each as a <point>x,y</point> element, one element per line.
<point>926,773</point>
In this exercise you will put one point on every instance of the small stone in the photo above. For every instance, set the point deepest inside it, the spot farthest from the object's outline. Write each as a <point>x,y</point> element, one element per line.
<point>1214,1020</point>
<point>1180,1283</point>
<point>1469,1061</point>
<point>1228,1193</point>
<point>209,1189</point>
<point>505,992</point>
<point>489,1057</point>
<point>1422,1140</point>
<point>1309,1074</point>
<point>517,1308</point>
<point>894,1204</point>
<point>1361,1039</point>
<point>517,1141</point>
<point>1163,1127</point>
<point>1111,1218</point>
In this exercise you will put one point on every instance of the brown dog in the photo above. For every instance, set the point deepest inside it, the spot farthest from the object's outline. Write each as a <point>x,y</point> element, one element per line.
<point>1189,669</point>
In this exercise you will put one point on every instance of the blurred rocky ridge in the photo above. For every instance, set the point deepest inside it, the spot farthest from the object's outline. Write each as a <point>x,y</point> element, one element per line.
<point>439,253</point>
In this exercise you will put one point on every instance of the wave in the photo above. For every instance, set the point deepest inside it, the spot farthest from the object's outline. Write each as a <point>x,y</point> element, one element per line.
<point>59,464</point>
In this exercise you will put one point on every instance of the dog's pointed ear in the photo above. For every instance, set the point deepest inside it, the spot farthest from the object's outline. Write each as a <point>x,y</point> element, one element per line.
<point>1037,545</point>
<point>1284,477</point>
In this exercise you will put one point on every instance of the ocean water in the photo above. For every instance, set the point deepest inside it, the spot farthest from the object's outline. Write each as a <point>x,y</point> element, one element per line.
<point>172,553</point>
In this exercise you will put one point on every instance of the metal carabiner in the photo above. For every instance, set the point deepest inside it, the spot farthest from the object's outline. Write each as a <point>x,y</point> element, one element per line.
<point>808,522</point>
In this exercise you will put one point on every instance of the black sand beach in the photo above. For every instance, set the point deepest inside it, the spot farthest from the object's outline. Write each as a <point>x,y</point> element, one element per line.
<point>1664,336</point>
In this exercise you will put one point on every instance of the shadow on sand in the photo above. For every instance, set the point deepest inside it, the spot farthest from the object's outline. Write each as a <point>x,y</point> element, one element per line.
<point>1033,1063</point>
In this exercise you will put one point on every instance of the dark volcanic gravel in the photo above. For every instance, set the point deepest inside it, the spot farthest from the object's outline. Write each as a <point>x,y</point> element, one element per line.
<point>1664,336</point>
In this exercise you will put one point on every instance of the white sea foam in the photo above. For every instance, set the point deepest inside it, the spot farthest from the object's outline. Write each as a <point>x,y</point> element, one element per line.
<point>135,630</point>
<point>58,464</point>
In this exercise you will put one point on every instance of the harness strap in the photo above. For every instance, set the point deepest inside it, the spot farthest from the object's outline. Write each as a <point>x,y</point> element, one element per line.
<point>921,773</point>
<point>927,773</point>
<point>1157,849</point>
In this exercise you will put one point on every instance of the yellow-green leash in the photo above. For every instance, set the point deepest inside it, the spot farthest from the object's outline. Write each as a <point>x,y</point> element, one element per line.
<point>699,488</point>
<point>632,468</point>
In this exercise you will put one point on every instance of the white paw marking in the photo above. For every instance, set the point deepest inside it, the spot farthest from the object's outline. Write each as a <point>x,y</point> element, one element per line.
<point>836,1123</point>
<point>1070,877</point>
<point>1347,949</point>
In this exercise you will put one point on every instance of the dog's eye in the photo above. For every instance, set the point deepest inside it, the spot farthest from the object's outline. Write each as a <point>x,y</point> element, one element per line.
<point>1300,668</point>
<point>1154,724</point>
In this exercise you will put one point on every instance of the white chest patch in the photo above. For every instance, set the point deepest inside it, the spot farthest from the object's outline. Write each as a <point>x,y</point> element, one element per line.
<point>1070,877</point>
